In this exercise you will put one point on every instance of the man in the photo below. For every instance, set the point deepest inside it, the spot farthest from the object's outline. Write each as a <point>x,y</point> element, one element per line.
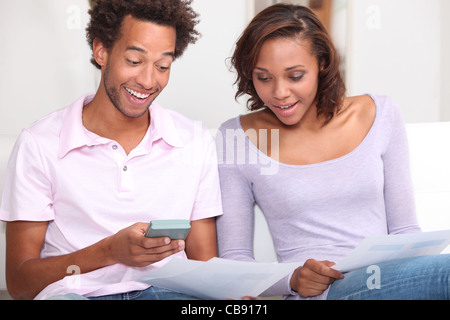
<point>84,181</point>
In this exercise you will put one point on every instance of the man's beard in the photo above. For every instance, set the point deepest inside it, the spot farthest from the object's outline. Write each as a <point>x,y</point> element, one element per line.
<point>114,97</point>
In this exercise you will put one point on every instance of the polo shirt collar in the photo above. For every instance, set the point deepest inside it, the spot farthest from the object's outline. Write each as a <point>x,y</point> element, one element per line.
<point>163,127</point>
<point>73,133</point>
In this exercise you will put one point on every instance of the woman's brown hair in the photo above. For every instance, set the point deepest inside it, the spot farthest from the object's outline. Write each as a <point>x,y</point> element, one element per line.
<point>290,21</point>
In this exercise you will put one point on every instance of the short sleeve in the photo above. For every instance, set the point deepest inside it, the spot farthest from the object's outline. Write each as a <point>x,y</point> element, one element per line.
<point>27,191</point>
<point>208,200</point>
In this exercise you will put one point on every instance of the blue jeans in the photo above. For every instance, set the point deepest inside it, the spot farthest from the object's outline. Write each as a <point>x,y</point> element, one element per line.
<point>421,278</point>
<point>152,293</point>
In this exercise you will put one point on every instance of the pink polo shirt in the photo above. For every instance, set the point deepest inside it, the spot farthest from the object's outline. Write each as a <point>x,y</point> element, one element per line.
<point>88,188</point>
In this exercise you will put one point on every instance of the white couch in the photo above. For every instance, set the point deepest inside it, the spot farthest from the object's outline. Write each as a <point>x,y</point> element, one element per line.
<point>430,166</point>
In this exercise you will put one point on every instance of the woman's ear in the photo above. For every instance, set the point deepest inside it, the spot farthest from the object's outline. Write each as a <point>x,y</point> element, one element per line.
<point>100,53</point>
<point>321,65</point>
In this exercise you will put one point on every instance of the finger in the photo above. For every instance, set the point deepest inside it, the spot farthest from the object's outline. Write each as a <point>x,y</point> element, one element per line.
<point>149,243</point>
<point>310,288</point>
<point>148,249</point>
<point>335,274</point>
<point>148,259</point>
<point>140,227</point>
<point>152,255</point>
<point>324,268</point>
<point>161,245</point>
<point>311,279</point>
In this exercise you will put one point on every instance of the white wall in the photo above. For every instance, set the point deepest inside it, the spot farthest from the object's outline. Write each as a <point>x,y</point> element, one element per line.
<point>445,61</point>
<point>44,60</point>
<point>201,84</point>
<point>45,65</point>
<point>395,49</point>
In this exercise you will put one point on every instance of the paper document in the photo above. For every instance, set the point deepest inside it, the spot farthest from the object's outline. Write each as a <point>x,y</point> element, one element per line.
<point>378,249</point>
<point>218,279</point>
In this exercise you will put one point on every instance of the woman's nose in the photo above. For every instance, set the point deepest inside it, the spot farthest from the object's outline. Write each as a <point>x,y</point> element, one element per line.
<point>281,90</point>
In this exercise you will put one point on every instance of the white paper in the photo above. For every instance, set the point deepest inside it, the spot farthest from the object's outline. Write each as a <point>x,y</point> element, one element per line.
<point>378,249</point>
<point>218,279</point>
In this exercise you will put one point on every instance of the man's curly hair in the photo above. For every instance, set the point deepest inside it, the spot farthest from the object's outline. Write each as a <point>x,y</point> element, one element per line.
<point>107,17</point>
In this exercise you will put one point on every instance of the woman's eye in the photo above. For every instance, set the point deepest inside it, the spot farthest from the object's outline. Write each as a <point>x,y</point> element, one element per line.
<point>263,78</point>
<point>297,77</point>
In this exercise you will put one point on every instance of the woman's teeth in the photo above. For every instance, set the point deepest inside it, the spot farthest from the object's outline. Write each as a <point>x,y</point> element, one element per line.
<point>137,94</point>
<point>286,107</point>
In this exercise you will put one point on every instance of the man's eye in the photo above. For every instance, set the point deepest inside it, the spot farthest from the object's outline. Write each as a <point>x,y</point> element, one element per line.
<point>163,68</point>
<point>132,62</point>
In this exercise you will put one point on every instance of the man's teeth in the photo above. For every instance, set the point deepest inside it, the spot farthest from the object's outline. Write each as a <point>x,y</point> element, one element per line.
<point>137,94</point>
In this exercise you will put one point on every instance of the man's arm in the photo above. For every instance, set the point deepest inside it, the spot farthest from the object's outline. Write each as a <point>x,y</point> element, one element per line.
<point>27,273</point>
<point>201,242</point>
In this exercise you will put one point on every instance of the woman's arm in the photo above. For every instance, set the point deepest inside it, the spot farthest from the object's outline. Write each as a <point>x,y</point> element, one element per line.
<point>399,193</point>
<point>235,228</point>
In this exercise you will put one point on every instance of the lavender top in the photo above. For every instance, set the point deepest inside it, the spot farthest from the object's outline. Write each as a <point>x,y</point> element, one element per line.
<point>320,211</point>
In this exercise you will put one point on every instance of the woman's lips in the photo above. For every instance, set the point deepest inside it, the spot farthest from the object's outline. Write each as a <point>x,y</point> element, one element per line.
<point>286,110</point>
<point>286,106</point>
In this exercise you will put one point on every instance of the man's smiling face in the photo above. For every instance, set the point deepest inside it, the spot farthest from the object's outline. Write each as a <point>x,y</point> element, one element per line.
<point>137,68</point>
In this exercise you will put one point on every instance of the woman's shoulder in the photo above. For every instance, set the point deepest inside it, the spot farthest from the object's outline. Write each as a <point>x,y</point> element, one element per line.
<point>382,107</point>
<point>362,106</point>
<point>232,123</point>
<point>357,113</point>
<point>372,111</point>
<point>262,119</point>
<point>370,103</point>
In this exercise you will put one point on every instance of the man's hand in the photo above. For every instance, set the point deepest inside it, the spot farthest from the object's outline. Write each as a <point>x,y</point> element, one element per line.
<point>314,278</point>
<point>27,273</point>
<point>130,247</point>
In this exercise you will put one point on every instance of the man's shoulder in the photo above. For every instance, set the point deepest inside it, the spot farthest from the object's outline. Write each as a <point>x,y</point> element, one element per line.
<point>177,117</point>
<point>53,121</point>
<point>48,124</point>
<point>188,129</point>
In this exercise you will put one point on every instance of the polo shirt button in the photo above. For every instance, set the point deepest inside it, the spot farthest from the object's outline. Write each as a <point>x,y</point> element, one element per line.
<point>125,168</point>
<point>114,147</point>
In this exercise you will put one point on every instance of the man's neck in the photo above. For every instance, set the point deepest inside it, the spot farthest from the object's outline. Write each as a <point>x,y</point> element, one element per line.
<point>102,118</point>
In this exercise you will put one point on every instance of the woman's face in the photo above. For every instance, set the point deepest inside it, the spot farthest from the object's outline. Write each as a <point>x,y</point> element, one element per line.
<point>286,78</point>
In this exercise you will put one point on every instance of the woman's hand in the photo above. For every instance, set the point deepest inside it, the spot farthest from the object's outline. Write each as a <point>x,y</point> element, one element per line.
<point>314,278</point>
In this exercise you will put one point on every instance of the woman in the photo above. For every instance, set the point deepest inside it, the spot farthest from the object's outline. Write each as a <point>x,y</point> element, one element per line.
<point>326,170</point>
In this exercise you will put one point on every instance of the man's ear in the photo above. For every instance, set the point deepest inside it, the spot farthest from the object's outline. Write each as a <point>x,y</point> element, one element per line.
<point>100,53</point>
